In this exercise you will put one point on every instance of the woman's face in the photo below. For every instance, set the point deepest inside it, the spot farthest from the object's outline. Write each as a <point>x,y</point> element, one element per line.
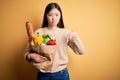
<point>53,17</point>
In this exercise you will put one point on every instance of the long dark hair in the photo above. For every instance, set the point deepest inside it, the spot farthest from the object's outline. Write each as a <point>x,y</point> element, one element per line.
<point>47,9</point>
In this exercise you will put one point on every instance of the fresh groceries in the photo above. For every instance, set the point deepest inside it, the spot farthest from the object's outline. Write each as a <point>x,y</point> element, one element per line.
<point>51,42</point>
<point>44,40</point>
<point>37,40</point>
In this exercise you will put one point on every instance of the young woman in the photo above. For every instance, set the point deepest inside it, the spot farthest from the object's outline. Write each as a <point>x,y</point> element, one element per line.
<point>53,25</point>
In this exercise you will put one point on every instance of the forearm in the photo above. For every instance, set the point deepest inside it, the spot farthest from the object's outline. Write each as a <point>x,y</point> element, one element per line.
<point>76,44</point>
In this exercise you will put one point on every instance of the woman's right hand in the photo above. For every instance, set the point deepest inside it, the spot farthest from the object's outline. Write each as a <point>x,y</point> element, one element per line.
<point>36,57</point>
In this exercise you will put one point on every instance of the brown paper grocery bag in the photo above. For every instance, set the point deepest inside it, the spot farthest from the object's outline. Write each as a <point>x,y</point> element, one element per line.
<point>47,51</point>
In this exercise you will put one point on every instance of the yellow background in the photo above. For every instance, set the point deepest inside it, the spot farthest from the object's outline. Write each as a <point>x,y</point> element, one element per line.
<point>96,21</point>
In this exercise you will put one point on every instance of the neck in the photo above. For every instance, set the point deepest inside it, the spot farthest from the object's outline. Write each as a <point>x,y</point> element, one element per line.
<point>52,27</point>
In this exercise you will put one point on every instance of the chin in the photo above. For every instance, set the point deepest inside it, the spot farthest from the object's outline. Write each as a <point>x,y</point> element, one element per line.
<point>53,24</point>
